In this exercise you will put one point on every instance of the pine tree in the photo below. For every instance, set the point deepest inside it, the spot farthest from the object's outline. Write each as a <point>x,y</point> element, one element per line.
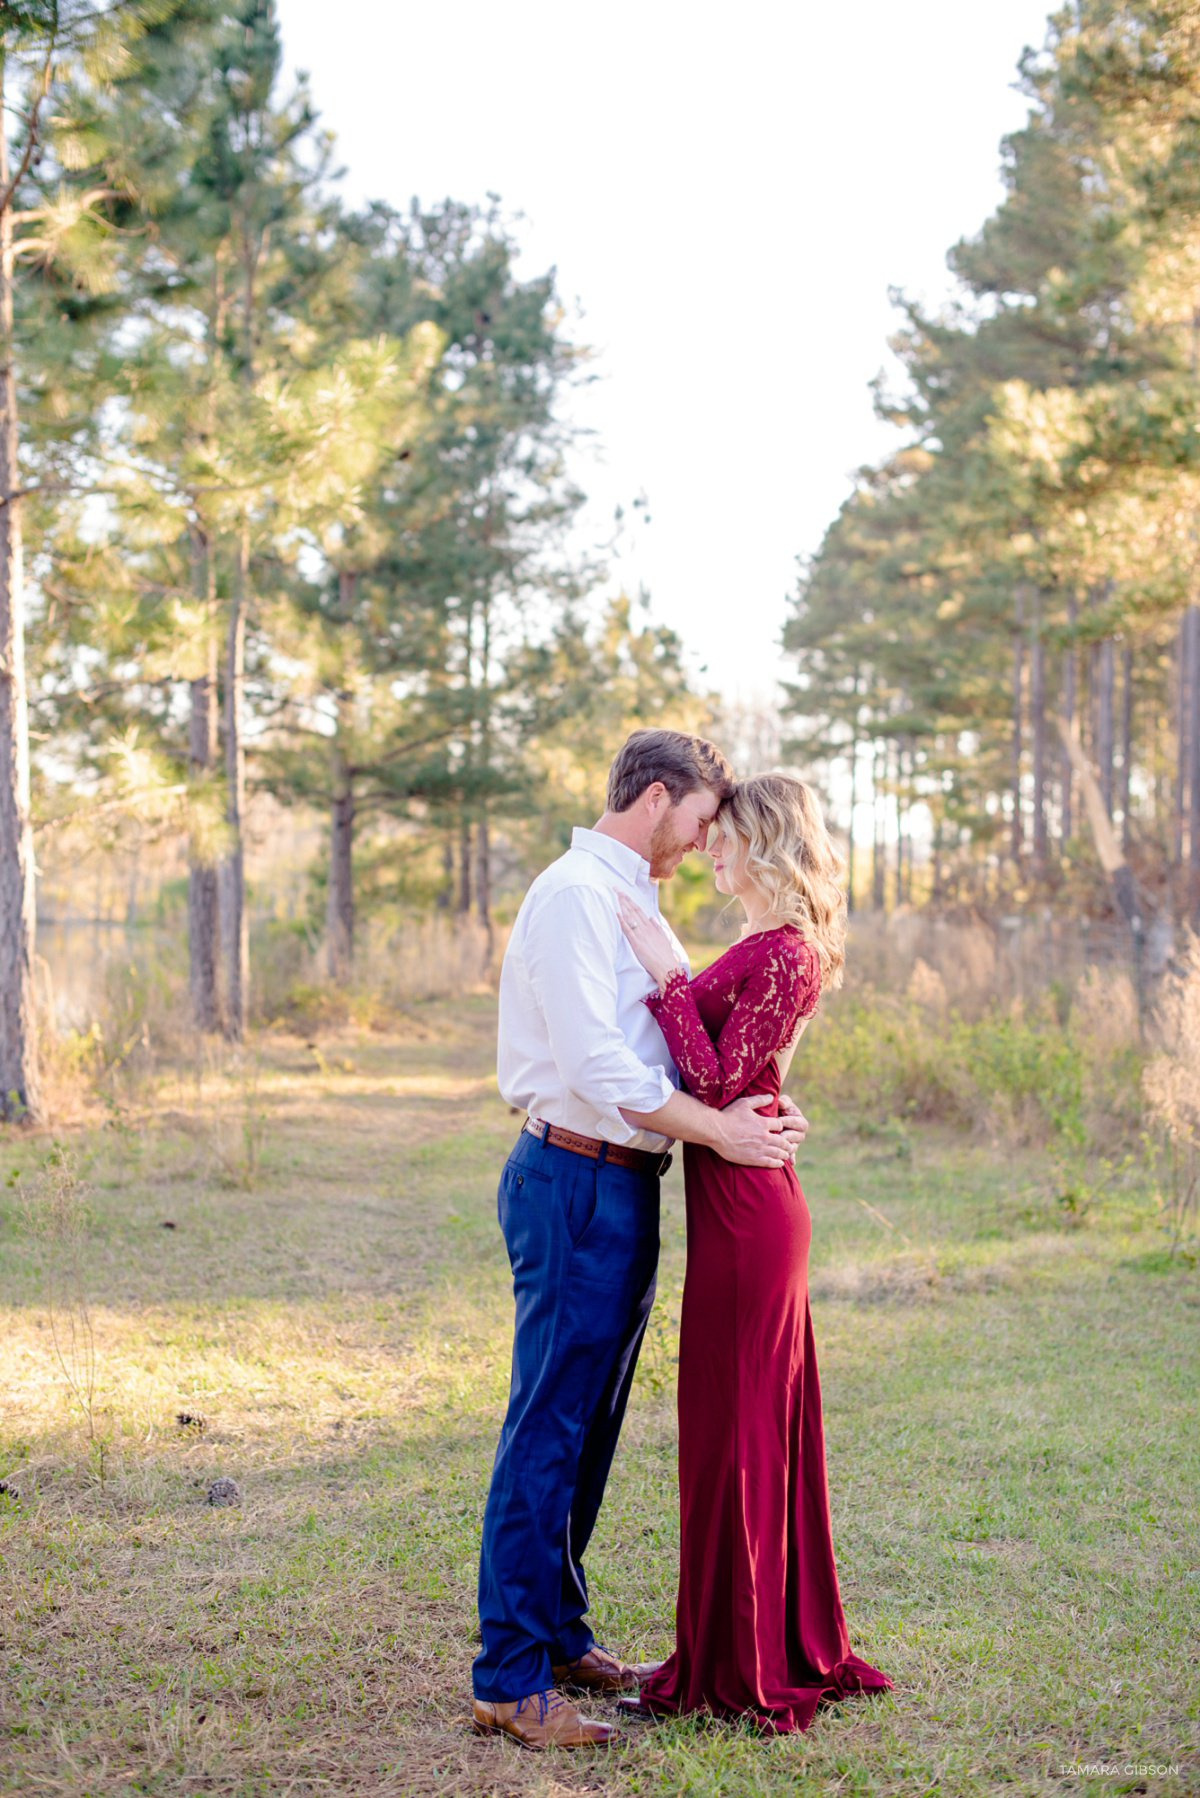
<point>1054,407</point>
<point>54,232</point>
<point>423,599</point>
<point>246,426</point>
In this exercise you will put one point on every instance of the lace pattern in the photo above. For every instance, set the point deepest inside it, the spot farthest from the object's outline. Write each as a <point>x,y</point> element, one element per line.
<point>724,1027</point>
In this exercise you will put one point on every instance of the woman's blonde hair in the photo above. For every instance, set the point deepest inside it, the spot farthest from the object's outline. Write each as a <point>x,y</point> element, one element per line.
<point>793,862</point>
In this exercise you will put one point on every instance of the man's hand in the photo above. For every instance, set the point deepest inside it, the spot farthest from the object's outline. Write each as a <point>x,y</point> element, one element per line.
<point>789,1109</point>
<point>737,1134</point>
<point>753,1141</point>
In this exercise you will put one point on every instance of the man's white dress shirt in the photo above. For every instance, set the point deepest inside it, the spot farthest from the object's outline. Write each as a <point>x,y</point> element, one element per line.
<point>576,1042</point>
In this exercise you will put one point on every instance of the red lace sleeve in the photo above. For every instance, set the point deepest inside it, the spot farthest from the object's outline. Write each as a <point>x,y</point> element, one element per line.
<point>780,988</point>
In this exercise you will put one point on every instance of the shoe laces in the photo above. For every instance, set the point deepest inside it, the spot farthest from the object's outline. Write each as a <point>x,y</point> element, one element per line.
<point>546,1703</point>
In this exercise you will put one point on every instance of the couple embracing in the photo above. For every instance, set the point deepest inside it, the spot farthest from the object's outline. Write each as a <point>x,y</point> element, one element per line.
<point>614,1052</point>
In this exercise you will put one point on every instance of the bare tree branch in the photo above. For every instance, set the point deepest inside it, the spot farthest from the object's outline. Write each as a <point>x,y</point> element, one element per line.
<point>31,141</point>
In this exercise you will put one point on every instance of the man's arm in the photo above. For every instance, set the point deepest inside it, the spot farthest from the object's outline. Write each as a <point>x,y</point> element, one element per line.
<point>571,956</point>
<point>737,1133</point>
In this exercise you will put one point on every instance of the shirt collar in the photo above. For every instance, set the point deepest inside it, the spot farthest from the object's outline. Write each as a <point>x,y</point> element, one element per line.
<point>619,856</point>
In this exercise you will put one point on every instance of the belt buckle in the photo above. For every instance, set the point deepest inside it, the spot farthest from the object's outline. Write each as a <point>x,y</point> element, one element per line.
<point>664,1164</point>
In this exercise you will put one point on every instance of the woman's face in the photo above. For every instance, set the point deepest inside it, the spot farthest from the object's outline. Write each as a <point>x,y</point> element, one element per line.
<point>728,852</point>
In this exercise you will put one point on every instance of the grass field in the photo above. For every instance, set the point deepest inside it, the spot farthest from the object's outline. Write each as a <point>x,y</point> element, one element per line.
<point>305,1255</point>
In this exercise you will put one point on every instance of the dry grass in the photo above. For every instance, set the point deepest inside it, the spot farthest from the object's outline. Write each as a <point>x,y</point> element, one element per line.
<point>974,966</point>
<point>1171,1085</point>
<point>395,966</point>
<point>1010,1413</point>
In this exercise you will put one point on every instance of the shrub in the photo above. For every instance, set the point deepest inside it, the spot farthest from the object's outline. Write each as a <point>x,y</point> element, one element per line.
<point>1016,1072</point>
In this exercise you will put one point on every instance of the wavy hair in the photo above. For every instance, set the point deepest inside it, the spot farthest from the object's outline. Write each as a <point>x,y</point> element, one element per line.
<point>791,859</point>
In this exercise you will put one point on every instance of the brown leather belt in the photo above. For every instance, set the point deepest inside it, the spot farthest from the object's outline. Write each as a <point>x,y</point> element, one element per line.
<point>642,1161</point>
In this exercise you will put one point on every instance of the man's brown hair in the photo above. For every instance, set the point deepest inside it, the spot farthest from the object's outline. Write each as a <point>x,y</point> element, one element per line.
<point>682,763</point>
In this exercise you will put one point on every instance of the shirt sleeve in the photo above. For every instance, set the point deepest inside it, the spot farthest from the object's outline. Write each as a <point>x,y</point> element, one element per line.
<point>571,957</point>
<point>779,990</point>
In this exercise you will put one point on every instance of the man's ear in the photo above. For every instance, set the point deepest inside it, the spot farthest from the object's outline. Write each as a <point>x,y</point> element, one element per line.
<point>654,798</point>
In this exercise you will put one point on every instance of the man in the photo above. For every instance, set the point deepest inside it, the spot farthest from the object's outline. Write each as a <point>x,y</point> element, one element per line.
<point>578,1202</point>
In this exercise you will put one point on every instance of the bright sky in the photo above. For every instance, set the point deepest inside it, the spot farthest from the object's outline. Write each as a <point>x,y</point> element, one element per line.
<point>727,194</point>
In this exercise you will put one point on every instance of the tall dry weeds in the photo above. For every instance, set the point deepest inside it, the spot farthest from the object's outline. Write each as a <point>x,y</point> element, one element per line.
<point>395,965</point>
<point>228,1097</point>
<point>890,954</point>
<point>1104,1025</point>
<point>55,1214</point>
<point>1171,1088</point>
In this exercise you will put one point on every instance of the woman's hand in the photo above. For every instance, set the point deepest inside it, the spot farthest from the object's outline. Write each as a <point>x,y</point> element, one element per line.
<point>648,941</point>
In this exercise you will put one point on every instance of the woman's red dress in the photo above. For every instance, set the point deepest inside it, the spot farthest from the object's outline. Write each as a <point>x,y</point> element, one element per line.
<point>758,1624</point>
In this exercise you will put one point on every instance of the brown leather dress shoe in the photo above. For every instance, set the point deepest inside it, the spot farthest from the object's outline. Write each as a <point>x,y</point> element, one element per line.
<point>544,1720</point>
<point>597,1671</point>
<point>633,1707</point>
<point>645,1668</point>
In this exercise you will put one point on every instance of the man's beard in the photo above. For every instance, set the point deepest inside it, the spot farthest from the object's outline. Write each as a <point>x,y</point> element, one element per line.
<point>664,848</point>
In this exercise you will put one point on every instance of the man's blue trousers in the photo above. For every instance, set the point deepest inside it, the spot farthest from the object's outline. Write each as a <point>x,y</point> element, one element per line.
<point>582,1239</point>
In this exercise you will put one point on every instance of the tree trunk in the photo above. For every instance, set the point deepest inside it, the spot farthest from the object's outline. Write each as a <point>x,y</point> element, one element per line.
<point>203,917</point>
<point>1194,766</point>
<point>1160,729</point>
<point>483,871</point>
<point>1126,739</point>
<point>463,907</point>
<point>878,869</point>
<point>234,923</point>
<point>465,832</point>
<point>340,900</point>
<point>1037,726</point>
<point>20,1089</point>
<point>904,824</point>
<point>1182,663</point>
<point>897,770</point>
<point>853,802</point>
<point>483,880</point>
<point>1108,850</point>
<point>483,856</point>
<point>1018,671</point>
<point>910,801</point>
<point>1068,712</point>
<point>203,904</point>
<point>1104,722</point>
<point>339,894</point>
<point>898,871</point>
<point>442,901</point>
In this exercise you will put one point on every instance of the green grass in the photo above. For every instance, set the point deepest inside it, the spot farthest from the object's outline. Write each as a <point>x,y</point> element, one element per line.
<point>1010,1409</point>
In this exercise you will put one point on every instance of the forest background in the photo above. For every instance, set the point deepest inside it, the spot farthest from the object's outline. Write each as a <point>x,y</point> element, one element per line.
<point>308,677</point>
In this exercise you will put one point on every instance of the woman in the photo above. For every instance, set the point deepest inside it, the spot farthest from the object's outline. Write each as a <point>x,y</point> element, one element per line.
<point>759,1623</point>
